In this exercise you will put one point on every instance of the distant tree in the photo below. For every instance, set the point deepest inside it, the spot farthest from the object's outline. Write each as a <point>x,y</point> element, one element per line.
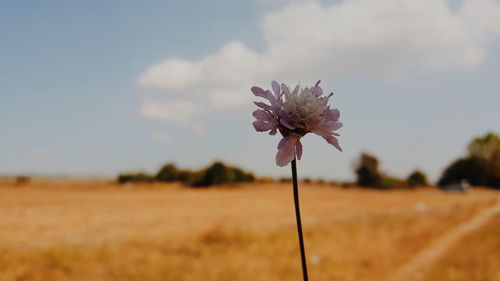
<point>215,174</point>
<point>22,179</point>
<point>168,173</point>
<point>265,179</point>
<point>285,179</point>
<point>218,173</point>
<point>139,177</point>
<point>367,171</point>
<point>472,169</point>
<point>238,175</point>
<point>185,176</point>
<point>486,147</point>
<point>480,167</point>
<point>387,182</point>
<point>307,180</point>
<point>417,178</point>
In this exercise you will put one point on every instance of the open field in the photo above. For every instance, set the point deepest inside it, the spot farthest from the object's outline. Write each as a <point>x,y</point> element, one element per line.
<point>466,261</point>
<point>97,231</point>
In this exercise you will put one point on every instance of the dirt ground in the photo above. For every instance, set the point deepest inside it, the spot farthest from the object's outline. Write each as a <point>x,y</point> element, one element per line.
<point>98,231</point>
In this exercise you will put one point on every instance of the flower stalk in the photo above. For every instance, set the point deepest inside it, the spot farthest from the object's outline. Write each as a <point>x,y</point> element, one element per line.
<point>297,216</point>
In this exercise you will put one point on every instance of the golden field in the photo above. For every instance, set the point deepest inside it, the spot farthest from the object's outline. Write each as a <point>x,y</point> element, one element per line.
<point>97,231</point>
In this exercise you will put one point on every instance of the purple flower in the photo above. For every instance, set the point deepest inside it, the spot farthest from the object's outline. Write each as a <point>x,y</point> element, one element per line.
<point>294,113</point>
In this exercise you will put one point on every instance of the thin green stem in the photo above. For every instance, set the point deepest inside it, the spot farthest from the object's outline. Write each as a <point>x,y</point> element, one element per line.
<point>297,215</point>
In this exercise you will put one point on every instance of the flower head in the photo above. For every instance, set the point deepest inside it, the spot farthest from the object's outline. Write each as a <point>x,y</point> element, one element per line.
<point>294,113</point>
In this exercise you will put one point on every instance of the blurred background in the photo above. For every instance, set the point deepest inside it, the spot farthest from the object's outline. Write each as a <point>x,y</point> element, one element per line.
<point>115,116</point>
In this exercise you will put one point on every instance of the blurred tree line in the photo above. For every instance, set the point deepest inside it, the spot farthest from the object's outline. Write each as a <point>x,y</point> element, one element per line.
<point>480,167</point>
<point>215,174</point>
<point>368,175</point>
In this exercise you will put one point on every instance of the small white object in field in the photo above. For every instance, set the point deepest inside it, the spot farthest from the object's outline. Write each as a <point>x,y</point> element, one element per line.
<point>421,207</point>
<point>315,259</point>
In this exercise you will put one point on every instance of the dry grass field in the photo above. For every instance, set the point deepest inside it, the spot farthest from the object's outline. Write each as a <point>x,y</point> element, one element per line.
<point>96,231</point>
<point>466,261</point>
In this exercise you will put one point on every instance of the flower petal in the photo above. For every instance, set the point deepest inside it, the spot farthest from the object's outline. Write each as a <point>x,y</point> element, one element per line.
<point>261,126</point>
<point>285,120</point>
<point>285,87</point>
<point>262,105</point>
<point>316,90</point>
<point>332,114</point>
<point>259,92</point>
<point>286,124</point>
<point>286,151</point>
<point>298,149</point>
<point>333,125</point>
<point>282,143</point>
<point>265,94</point>
<point>263,115</point>
<point>285,91</point>
<point>276,88</point>
<point>333,141</point>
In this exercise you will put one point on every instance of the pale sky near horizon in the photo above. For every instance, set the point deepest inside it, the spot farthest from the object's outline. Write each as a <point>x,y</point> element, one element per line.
<point>93,88</point>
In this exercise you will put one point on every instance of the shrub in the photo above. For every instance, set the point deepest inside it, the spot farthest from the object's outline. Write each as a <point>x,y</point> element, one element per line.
<point>218,173</point>
<point>417,178</point>
<point>486,147</point>
<point>136,177</point>
<point>307,180</point>
<point>472,169</point>
<point>388,182</point>
<point>168,173</point>
<point>265,179</point>
<point>239,175</point>
<point>348,184</point>
<point>185,176</point>
<point>480,167</point>
<point>285,180</point>
<point>367,171</point>
<point>22,179</point>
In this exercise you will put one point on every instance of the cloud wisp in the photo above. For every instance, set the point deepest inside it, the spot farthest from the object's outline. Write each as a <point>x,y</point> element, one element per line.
<point>308,40</point>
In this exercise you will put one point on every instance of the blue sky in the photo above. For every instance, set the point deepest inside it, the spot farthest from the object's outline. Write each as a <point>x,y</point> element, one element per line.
<point>101,87</point>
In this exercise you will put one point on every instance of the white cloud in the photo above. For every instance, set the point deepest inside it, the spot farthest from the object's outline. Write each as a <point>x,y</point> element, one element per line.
<point>177,110</point>
<point>175,74</point>
<point>307,40</point>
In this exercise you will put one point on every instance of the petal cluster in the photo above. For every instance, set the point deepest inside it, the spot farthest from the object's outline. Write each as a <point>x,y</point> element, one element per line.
<point>294,113</point>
